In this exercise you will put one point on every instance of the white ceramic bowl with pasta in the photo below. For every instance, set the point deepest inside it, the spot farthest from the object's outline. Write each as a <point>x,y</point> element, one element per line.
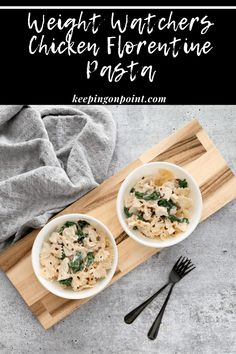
<point>143,172</point>
<point>52,285</point>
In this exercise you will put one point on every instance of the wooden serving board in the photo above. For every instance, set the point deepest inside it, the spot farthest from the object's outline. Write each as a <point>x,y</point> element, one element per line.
<point>189,147</point>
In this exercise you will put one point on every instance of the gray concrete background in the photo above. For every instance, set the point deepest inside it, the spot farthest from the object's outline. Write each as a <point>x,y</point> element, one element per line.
<point>200,317</point>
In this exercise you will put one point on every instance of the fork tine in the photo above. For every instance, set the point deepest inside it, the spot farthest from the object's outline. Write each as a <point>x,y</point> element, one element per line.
<point>188,266</point>
<point>177,263</point>
<point>183,270</point>
<point>188,271</point>
<point>183,264</point>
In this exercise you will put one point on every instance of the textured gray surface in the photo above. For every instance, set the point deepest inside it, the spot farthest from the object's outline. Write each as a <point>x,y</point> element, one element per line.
<point>200,317</point>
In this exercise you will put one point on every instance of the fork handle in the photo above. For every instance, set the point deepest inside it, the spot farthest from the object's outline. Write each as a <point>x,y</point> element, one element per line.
<point>131,316</point>
<point>153,331</point>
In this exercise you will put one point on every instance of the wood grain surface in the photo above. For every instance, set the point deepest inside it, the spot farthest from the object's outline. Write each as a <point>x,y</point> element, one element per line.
<point>189,147</point>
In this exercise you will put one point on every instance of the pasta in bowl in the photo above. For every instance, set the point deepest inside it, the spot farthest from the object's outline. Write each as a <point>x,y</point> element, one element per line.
<point>74,256</point>
<point>159,204</point>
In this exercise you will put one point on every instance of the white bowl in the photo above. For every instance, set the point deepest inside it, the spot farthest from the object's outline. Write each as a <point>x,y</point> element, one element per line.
<point>152,169</point>
<point>53,286</point>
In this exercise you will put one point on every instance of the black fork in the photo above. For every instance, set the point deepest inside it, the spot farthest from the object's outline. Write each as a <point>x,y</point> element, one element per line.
<point>182,267</point>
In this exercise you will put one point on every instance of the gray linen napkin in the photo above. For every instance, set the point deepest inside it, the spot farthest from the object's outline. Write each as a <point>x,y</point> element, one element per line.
<point>48,159</point>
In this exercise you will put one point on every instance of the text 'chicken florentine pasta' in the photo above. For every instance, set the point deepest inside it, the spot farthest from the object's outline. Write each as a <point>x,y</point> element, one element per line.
<point>159,206</point>
<point>76,255</point>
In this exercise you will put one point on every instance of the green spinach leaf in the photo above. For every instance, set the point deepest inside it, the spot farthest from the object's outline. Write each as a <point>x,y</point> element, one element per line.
<point>140,216</point>
<point>173,218</point>
<point>89,259</point>
<point>182,183</point>
<point>77,264</point>
<point>68,224</point>
<point>153,196</point>
<point>185,220</point>
<point>166,203</point>
<point>66,282</point>
<point>139,195</point>
<point>127,213</point>
<point>82,223</point>
<point>80,234</point>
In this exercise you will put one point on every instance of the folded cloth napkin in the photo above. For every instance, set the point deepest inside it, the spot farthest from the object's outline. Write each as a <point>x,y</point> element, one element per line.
<point>48,159</point>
